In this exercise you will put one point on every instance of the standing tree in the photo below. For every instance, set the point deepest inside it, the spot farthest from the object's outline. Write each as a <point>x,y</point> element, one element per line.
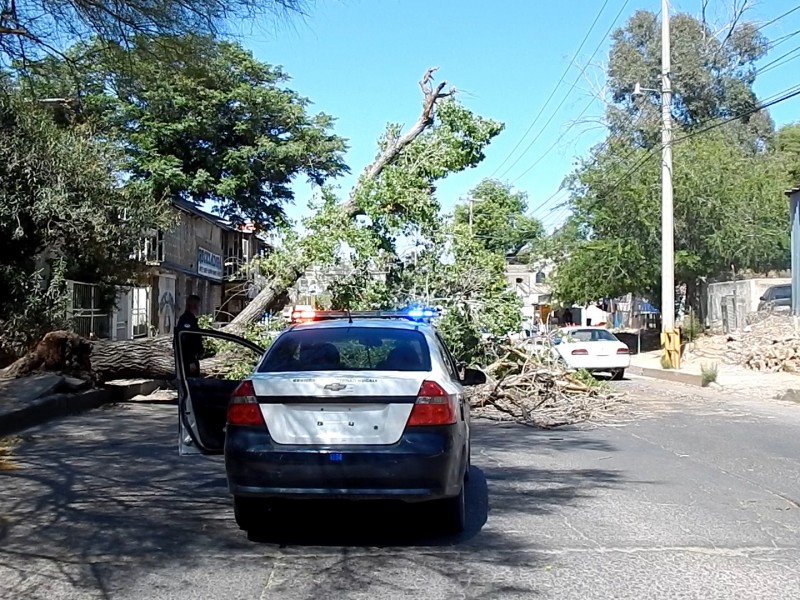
<point>209,124</point>
<point>63,214</point>
<point>729,208</point>
<point>496,216</point>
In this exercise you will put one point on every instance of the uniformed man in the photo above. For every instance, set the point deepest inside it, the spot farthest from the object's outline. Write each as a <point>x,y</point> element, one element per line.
<point>192,344</point>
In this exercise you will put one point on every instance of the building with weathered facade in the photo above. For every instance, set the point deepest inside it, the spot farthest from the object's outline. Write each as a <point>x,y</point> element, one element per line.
<point>201,254</point>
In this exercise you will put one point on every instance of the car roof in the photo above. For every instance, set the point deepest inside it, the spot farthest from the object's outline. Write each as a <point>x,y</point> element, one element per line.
<point>365,323</point>
<point>576,327</point>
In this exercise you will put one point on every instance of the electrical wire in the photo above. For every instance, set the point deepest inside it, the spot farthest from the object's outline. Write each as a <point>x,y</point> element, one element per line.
<point>779,61</point>
<point>555,89</point>
<point>574,84</point>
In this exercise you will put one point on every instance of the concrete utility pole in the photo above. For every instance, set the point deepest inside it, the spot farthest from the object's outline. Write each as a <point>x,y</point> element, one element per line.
<point>670,338</point>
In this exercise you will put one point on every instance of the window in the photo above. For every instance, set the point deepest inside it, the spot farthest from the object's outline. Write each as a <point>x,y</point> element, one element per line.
<point>348,349</point>
<point>540,277</point>
<point>592,335</point>
<point>151,247</point>
<point>140,311</point>
<point>449,362</point>
<point>783,292</point>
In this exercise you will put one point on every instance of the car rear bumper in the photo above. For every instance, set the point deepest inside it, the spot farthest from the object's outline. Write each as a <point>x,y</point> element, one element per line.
<point>426,464</point>
<point>599,363</point>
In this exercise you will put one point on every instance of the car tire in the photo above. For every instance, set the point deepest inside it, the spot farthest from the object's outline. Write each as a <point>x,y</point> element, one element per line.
<point>451,513</point>
<point>251,514</point>
<point>617,374</point>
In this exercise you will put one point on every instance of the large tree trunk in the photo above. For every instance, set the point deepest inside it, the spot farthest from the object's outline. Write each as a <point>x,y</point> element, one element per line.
<point>153,358</point>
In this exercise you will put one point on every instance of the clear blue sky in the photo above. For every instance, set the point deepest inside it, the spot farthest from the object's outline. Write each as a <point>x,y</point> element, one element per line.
<point>360,60</point>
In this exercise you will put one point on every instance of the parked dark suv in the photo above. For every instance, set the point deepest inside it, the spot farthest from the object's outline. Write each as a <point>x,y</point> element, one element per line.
<point>777,298</point>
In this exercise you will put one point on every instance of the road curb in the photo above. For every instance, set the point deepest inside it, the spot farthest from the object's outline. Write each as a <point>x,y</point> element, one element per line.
<point>46,408</point>
<point>667,375</point>
<point>55,406</point>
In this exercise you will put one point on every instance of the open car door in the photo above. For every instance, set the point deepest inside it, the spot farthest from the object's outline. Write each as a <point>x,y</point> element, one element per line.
<point>203,397</point>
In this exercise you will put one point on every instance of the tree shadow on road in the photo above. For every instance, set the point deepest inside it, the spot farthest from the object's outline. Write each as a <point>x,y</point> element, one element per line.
<point>109,487</point>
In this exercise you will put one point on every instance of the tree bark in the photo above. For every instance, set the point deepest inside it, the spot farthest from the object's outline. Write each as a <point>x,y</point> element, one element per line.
<point>153,358</point>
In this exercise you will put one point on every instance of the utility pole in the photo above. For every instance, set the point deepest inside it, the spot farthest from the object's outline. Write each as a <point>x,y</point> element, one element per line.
<point>670,338</point>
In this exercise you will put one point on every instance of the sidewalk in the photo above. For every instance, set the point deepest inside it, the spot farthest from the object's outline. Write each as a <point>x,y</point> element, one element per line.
<point>729,377</point>
<point>33,400</point>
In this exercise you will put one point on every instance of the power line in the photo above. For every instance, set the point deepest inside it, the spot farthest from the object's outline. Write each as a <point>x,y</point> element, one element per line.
<point>558,140</point>
<point>778,61</point>
<point>778,18</point>
<point>574,84</point>
<point>787,94</point>
<point>555,89</point>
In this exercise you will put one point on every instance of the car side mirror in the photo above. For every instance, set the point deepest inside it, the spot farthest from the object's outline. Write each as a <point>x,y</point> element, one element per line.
<point>473,377</point>
<point>763,298</point>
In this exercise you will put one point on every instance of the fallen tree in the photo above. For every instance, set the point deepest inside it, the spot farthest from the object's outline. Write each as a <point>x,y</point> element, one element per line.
<point>405,197</point>
<point>539,391</point>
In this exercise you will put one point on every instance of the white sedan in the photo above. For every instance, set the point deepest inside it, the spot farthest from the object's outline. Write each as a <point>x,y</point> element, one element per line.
<point>593,349</point>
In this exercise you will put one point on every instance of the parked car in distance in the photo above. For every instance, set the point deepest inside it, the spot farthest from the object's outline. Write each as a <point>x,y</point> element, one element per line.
<point>342,405</point>
<point>777,298</point>
<point>594,349</point>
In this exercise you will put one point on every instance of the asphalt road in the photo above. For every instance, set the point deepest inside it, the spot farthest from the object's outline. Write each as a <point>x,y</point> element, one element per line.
<point>692,497</point>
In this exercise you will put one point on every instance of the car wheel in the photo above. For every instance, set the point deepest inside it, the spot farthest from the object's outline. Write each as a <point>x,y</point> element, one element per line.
<point>617,374</point>
<point>451,513</point>
<point>252,514</point>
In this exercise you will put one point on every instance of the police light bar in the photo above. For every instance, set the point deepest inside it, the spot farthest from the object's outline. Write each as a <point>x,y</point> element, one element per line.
<point>414,314</point>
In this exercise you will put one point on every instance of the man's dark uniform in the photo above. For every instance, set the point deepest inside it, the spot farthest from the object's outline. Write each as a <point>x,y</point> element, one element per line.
<point>192,344</point>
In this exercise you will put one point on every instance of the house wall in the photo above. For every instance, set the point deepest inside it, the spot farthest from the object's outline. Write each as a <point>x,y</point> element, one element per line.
<point>750,290</point>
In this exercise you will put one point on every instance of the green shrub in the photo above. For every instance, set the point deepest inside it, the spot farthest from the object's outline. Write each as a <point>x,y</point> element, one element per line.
<point>708,373</point>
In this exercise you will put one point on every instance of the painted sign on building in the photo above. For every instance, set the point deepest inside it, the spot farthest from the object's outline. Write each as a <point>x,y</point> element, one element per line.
<point>209,264</point>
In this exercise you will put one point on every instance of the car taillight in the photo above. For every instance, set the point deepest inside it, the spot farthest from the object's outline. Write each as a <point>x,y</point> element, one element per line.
<point>623,350</point>
<point>433,406</point>
<point>580,351</point>
<point>243,408</point>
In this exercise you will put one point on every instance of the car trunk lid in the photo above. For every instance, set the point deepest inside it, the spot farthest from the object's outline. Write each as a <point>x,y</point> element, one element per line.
<point>334,408</point>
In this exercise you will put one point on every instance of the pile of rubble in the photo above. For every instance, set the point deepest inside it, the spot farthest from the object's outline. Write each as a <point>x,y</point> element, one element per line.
<point>536,390</point>
<point>769,345</point>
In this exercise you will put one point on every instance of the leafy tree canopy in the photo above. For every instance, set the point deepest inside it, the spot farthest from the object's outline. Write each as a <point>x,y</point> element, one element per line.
<point>712,75</point>
<point>729,211</point>
<point>63,214</point>
<point>498,218</point>
<point>208,124</point>
<point>787,142</point>
<point>728,181</point>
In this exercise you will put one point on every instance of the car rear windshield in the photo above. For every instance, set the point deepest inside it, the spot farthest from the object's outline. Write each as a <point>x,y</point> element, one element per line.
<point>592,335</point>
<point>348,349</point>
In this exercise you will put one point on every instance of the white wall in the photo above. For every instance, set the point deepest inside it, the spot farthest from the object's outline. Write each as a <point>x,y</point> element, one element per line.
<point>749,289</point>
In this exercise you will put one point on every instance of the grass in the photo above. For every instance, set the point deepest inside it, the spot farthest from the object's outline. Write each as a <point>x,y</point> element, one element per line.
<point>7,446</point>
<point>708,373</point>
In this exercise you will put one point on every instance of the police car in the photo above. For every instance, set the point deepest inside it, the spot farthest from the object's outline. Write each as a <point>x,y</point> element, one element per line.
<point>358,405</point>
